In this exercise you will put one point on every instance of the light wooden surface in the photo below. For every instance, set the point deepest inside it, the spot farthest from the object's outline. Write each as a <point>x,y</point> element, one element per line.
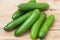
<point>8,7</point>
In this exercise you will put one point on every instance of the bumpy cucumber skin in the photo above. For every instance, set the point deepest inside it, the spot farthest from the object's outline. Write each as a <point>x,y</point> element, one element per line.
<point>32,6</point>
<point>37,25</point>
<point>45,27</point>
<point>17,14</point>
<point>18,21</point>
<point>26,25</point>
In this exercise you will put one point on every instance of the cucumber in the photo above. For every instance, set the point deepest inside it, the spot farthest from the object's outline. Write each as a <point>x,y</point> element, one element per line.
<point>37,25</point>
<point>26,25</point>
<point>45,27</point>
<point>32,6</point>
<point>11,25</point>
<point>17,14</point>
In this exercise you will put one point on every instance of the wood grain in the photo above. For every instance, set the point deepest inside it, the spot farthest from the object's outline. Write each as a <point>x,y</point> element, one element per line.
<point>8,7</point>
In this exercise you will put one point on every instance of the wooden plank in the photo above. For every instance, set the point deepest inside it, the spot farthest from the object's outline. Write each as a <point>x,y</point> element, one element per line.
<point>9,6</point>
<point>51,35</point>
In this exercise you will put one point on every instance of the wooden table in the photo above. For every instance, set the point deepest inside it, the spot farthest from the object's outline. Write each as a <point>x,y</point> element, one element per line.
<point>8,7</point>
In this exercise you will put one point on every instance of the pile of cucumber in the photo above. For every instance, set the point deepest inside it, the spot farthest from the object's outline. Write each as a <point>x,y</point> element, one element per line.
<point>30,15</point>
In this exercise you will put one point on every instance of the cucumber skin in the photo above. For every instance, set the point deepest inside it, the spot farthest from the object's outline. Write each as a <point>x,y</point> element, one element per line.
<point>37,25</point>
<point>26,25</point>
<point>45,27</point>
<point>32,6</point>
<point>11,25</point>
<point>17,14</point>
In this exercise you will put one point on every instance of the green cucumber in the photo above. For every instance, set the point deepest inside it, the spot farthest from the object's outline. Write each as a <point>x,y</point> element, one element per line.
<point>45,27</point>
<point>17,14</point>
<point>26,25</point>
<point>32,6</point>
<point>37,25</point>
<point>11,25</point>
